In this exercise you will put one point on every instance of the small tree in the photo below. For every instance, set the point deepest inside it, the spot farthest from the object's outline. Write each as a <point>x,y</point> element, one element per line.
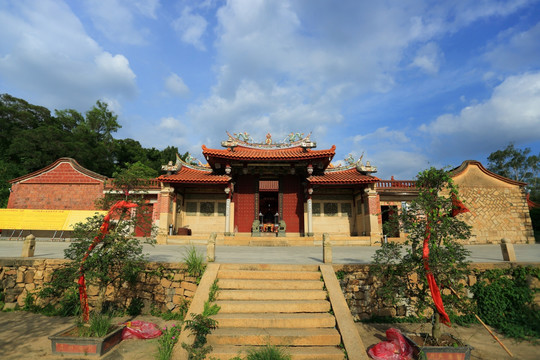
<point>403,269</point>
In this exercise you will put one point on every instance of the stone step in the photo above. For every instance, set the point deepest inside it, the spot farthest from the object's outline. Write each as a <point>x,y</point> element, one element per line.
<point>268,275</point>
<point>269,267</point>
<point>225,352</point>
<point>275,320</point>
<point>270,284</point>
<point>273,306</point>
<point>271,336</point>
<point>271,294</point>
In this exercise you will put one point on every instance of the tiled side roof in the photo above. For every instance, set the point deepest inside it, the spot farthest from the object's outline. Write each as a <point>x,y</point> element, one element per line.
<point>194,176</point>
<point>63,170</point>
<point>246,153</point>
<point>345,177</point>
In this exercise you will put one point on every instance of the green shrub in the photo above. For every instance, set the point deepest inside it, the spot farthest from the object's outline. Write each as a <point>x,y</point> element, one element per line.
<point>505,301</point>
<point>268,352</point>
<point>98,326</point>
<point>166,342</point>
<point>195,262</point>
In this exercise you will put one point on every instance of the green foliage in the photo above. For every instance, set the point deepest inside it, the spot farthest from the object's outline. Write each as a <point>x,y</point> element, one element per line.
<point>267,352</point>
<point>200,326</point>
<point>166,342</point>
<point>195,262</point>
<point>505,301</point>
<point>169,315</point>
<point>400,267</point>
<point>135,307</point>
<point>98,326</point>
<point>32,138</point>
<point>519,165</point>
<point>340,274</point>
<point>213,291</point>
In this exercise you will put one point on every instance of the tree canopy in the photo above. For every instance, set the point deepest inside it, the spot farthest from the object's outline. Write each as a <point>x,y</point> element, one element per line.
<point>517,164</point>
<point>32,138</point>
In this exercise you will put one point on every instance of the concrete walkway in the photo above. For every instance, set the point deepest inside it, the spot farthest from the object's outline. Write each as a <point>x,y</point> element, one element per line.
<point>272,255</point>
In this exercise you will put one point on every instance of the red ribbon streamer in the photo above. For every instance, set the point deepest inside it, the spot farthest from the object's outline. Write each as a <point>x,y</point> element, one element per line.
<point>433,288</point>
<point>103,230</point>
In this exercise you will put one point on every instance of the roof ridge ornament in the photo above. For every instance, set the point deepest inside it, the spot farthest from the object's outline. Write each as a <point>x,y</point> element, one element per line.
<point>190,162</point>
<point>351,163</point>
<point>292,140</point>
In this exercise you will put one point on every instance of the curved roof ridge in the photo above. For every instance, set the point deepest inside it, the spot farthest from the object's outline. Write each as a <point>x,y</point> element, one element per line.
<point>59,161</point>
<point>461,168</point>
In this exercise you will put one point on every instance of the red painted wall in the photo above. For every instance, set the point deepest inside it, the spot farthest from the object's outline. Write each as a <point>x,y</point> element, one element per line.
<point>244,203</point>
<point>293,203</point>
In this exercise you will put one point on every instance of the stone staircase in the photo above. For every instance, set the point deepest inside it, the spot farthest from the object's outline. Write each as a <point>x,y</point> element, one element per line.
<point>283,305</point>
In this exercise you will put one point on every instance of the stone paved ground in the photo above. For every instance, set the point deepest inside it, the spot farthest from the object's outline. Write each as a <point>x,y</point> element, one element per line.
<point>272,255</point>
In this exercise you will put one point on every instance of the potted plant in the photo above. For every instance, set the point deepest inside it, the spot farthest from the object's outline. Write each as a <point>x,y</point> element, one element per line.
<point>431,262</point>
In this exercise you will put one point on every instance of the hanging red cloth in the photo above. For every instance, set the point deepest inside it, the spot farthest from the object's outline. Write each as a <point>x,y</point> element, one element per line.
<point>433,288</point>
<point>104,230</point>
<point>457,206</point>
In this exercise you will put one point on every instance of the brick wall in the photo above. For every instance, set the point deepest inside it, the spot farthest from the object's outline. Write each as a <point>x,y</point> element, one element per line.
<point>166,286</point>
<point>63,185</point>
<point>54,196</point>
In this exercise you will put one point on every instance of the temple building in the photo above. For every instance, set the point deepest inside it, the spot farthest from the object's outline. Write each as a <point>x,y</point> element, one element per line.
<point>264,193</point>
<point>286,189</point>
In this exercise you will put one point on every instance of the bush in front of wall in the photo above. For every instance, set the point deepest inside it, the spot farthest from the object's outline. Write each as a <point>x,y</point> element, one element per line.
<point>505,300</point>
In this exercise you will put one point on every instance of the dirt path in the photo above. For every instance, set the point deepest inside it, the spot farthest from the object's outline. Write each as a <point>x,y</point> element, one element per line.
<point>485,347</point>
<point>25,336</point>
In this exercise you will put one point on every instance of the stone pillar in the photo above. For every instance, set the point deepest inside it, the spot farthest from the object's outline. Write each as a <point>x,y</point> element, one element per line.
<point>29,246</point>
<point>327,249</point>
<point>211,248</point>
<point>310,212</point>
<point>507,249</point>
<point>165,213</point>
<point>228,211</point>
<point>375,219</point>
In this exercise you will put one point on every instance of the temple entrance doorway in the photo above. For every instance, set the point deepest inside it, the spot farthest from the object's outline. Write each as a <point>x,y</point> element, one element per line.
<point>269,205</point>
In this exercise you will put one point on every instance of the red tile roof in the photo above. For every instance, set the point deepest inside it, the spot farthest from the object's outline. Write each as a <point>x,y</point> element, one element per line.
<point>194,176</point>
<point>344,177</point>
<point>275,154</point>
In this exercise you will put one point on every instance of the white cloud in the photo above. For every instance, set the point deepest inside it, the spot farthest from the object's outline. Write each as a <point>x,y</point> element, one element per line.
<point>191,28</point>
<point>176,86</point>
<point>511,114</point>
<point>117,19</point>
<point>428,58</point>
<point>44,47</point>
<point>383,134</point>
<point>516,50</point>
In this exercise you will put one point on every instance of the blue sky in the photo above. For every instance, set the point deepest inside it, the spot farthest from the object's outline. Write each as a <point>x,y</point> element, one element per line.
<point>409,84</point>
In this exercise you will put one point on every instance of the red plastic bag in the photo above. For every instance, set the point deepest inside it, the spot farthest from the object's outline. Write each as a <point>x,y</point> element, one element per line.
<point>140,330</point>
<point>396,348</point>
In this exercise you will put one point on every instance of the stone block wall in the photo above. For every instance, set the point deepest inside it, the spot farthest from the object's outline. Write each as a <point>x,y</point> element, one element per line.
<point>165,286</point>
<point>360,290</point>
<point>497,213</point>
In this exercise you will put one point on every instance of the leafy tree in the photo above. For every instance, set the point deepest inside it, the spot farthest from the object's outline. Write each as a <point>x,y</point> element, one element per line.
<point>400,267</point>
<point>519,165</point>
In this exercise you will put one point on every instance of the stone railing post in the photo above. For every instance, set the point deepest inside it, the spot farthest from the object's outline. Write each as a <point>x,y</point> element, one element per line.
<point>507,249</point>
<point>211,248</point>
<point>29,246</point>
<point>327,249</point>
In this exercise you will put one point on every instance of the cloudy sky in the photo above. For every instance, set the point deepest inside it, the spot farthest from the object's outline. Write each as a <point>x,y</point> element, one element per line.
<point>408,84</point>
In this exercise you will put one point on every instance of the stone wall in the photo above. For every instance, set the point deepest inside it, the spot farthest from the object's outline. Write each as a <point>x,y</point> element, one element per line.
<point>165,286</point>
<point>497,213</point>
<point>360,290</point>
